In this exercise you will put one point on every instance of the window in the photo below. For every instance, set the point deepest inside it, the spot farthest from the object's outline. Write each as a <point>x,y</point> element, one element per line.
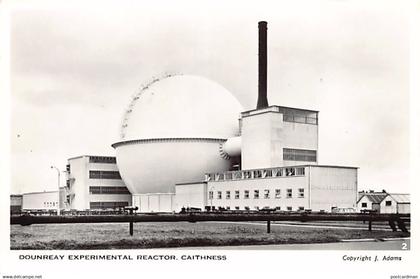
<point>301,192</point>
<point>236,207</point>
<point>219,195</point>
<point>290,154</point>
<point>289,193</point>
<point>388,203</point>
<point>246,207</point>
<point>227,207</point>
<point>236,194</point>
<point>111,190</point>
<point>256,207</point>
<point>102,159</point>
<point>289,208</point>
<point>246,194</point>
<point>266,194</point>
<point>210,195</point>
<point>257,174</point>
<point>104,175</point>
<point>256,194</point>
<point>293,115</point>
<point>300,171</point>
<point>278,208</point>
<point>290,171</point>
<point>364,204</point>
<point>301,208</point>
<point>278,193</point>
<point>227,195</point>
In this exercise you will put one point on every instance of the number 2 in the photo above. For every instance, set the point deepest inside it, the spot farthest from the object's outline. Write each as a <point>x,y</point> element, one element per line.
<point>404,246</point>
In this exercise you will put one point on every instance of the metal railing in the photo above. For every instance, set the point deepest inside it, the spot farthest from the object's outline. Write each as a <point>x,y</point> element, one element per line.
<point>394,220</point>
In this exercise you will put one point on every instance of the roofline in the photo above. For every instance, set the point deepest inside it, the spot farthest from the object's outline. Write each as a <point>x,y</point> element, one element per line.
<point>309,110</point>
<point>190,183</point>
<point>135,141</point>
<point>375,194</point>
<point>151,194</point>
<point>333,166</point>
<point>44,192</point>
<point>81,156</point>
<point>305,165</point>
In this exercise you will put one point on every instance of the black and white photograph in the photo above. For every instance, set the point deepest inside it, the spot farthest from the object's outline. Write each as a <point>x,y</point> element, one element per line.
<point>209,133</point>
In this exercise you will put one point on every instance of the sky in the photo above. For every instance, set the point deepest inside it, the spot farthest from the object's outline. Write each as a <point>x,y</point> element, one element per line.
<point>74,68</point>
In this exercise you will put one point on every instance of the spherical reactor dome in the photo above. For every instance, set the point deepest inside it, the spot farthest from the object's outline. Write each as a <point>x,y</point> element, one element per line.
<point>172,132</point>
<point>182,106</point>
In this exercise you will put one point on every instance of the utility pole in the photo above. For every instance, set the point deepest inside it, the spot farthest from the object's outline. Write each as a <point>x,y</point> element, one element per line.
<point>58,185</point>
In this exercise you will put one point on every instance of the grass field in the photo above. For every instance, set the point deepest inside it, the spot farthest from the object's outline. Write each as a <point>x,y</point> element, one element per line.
<point>158,235</point>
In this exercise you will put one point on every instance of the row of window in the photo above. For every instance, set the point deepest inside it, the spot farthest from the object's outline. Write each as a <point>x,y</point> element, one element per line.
<point>110,190</point>
<point>288,208</point>
<point>104,175</point>
<point>102,159</point>
<point>50,204</point>
<point>266,194</point>
<point>107,205</point>
<point>300,119</point>
<point>299,155</point>
<point>251,174</point>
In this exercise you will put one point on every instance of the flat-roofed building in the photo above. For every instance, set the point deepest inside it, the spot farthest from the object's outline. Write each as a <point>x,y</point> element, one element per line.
<point>15,204</point>
<point>293,188</point>
<point>279,169</point>
<point>278,136</point>
<point>94,182</point>
<point>47,200</point>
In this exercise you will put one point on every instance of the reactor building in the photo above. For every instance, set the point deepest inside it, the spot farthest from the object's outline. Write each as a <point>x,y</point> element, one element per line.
<point>186,141</point>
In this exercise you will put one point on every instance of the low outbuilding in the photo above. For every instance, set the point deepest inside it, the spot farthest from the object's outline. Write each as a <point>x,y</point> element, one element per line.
<point>396,203</point>
<point>370,201</point>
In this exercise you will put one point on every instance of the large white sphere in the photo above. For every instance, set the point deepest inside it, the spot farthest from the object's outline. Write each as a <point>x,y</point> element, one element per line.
<point>183,106</point>
<point>173,132</point>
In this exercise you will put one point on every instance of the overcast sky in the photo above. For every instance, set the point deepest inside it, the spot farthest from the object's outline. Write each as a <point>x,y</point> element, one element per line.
<point>74,69</point>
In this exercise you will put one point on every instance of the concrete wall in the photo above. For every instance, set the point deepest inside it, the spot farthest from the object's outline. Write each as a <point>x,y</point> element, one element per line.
<point>79,190</point>
<point>40,201</point>
<point>332,187</point>
<point>63,195</point>
<point>191,195</point>
<point>298,136</point>
<point>164,202</point>
<point>261,148</point>
<point>264,135</point>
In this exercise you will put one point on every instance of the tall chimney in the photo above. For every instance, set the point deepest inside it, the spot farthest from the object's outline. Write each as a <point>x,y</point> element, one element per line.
<point>262,65</point>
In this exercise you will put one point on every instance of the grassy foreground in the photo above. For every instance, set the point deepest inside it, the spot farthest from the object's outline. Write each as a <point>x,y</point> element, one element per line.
<point>159,235</point>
